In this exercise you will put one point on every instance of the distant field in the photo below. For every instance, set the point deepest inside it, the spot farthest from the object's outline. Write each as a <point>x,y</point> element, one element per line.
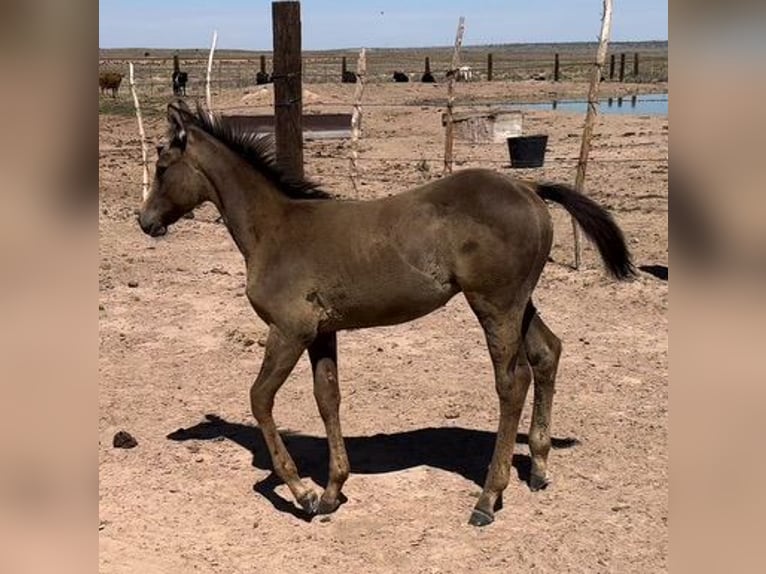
<point>514,62</point>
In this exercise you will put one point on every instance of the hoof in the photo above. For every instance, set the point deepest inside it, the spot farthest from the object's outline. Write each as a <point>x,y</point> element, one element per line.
<point>537,482</point>
<point>480,518</point>
<point>327,506</point>
<point>310,502</point>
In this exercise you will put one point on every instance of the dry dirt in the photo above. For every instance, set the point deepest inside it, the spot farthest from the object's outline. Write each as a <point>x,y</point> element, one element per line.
<point>179,348</point>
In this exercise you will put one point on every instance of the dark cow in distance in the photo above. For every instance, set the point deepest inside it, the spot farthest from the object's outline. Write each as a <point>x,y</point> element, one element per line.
<point>401,77</point>
<point>179,82</point>
<point>262,78</point>
<point>110,81</point>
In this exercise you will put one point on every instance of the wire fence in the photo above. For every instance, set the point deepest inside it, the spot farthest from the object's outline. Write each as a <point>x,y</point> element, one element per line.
<point>154,74</point>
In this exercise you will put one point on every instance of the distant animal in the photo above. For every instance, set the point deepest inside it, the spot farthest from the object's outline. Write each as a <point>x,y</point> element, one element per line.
<point>110,81</point>
<point>348,77</point>
<point>428,78</point>
<point>262,78</point>
<point>179,82</point>
<point>462,74</point>
<point>401,77</point>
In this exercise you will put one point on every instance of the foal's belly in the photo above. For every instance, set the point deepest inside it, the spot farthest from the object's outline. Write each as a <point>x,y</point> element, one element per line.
<point>383,304</point>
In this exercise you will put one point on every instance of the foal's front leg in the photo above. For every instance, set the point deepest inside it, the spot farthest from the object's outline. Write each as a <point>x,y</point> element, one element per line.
<point>324,362</point>
<point>279,359</point>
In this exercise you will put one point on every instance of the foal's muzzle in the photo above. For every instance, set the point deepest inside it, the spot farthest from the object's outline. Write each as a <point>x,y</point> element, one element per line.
<point>153,228</point>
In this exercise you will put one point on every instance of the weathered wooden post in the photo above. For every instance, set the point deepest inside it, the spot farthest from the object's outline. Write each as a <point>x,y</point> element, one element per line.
<point>356,118</point>
<point>288,85</point>
<point>208,97</point>
<point>622,67</point>
<point>590,117</point>
<point>556,68</point>
<point>611,67</point>
<point>635,65</point>
<point>142,133</point>
<point>449,138</point>
<point>489,67</point>
<point>428,65</point>
<point>343,67</point>
<point>176,64</point>
<point>263,64</point>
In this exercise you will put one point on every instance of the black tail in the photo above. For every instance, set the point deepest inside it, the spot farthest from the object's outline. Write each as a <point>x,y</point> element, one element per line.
<point>597,224</point>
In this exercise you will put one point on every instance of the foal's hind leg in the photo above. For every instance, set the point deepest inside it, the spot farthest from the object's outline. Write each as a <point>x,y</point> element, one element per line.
<point>543,351</point>
<point>502,327</point>
<point>279,359</point>
<point>324,362</point>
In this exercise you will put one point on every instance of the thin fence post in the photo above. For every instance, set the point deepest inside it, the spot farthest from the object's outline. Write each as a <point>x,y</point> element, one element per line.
<point>635,65</point>
<point>449,131</point>
<point>208,97</point>
<point>356,118</point>
<point>343,67</point>
<point>612,62</point>
<point>590,118</point>
<point>489,67</point>
<point>288,85</point>
<point>142,133</point>
<point>622,67</point>
<point>556,68</point>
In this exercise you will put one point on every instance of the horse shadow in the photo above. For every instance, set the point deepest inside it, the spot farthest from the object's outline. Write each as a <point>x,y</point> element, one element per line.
<point>466,452</point>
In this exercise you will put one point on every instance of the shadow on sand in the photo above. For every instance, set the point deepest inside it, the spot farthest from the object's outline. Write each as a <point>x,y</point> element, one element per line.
<point>463,451</point>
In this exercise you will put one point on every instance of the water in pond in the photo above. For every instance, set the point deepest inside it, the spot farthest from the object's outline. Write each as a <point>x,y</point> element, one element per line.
<point>643,105</point>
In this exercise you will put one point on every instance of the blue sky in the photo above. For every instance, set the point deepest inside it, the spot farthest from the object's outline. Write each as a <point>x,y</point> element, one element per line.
<point>327,24</point>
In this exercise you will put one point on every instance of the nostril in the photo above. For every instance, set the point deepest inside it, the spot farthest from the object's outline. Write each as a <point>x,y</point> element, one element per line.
<point>159,231</point>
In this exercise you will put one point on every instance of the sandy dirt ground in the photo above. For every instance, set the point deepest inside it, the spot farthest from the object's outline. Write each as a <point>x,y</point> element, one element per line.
<point>180,346</point>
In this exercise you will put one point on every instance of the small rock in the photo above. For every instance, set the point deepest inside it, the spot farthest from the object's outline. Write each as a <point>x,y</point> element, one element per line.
<point>132,284</point>
<point>380,349</point>
<point>324,519</point>
<point>124,439</point>
<point>451,413</point>
<point>101,308</point>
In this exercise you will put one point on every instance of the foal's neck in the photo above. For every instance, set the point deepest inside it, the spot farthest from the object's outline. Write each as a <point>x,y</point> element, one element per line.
<point>248,202</point>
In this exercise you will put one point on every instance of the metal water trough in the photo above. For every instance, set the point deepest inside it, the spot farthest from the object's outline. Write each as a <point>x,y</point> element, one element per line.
<point>315,126</point>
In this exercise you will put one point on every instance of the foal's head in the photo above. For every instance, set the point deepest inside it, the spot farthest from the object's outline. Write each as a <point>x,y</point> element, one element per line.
<point>179,186</point>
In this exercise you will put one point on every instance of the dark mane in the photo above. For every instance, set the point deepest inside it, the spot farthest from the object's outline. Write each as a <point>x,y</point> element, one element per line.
<point>259,151</point>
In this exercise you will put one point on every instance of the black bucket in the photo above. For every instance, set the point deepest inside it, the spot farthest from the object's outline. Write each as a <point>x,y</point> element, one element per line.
<point>527,151</point>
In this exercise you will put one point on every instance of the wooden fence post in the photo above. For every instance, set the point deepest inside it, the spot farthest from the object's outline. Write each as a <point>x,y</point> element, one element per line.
<point>343,67</point>
<point>635,65</point>
<point>449,131</point>
<point>590,117</point>
<point>142,133</point>
<point>556,68</point>
<point>208,97</point>
<point>611,67</point>
<point>263,64</point>
<point>288,85</point>
<point>489,67</point>
<point>622,67</point>
<point>428,65</point>
<point>356,117</point>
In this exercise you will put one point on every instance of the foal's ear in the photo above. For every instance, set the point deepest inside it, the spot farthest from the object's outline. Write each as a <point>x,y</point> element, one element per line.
<point>178,117</point>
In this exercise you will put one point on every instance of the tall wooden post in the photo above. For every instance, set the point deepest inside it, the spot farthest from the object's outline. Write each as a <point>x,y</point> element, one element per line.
<point>489,67</point>
<point>611,67</point>
<point>556,69</point>
<point>356,118</point>
<point>343,67</point>
<point>635,65</point>
<point>622,67</point>
<point>428,65</point>
<point>288,88</point>
<point>142,133</point>
<point>263,64</point>
<point>176,64</point>
<point>590,116</point>
<point>449,136</point>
